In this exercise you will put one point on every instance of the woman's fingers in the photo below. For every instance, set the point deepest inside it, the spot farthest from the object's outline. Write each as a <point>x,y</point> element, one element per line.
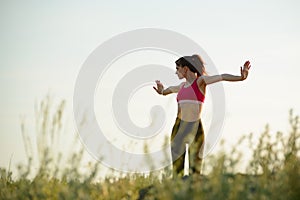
<point>244,69</point>
<point>158,82</point>
<point>156,89</point>
<point>247,63</point>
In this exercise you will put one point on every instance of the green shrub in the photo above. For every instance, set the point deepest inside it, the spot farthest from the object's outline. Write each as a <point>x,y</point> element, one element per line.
<point>272,173</point>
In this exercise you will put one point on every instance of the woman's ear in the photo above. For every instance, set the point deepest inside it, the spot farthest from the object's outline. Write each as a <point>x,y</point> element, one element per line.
<point>185,69</point>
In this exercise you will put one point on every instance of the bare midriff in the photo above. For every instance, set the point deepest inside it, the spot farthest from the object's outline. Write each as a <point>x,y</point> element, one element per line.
<point>189,111</point>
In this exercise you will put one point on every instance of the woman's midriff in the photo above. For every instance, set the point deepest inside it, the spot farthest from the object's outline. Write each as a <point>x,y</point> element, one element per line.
<point>189,112</point>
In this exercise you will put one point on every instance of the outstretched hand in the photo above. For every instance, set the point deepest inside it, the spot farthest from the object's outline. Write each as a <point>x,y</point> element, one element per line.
<point>245,69</point>
<point>159,87</point>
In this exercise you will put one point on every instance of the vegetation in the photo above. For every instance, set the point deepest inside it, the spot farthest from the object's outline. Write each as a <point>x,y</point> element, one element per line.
<point>272,173</point>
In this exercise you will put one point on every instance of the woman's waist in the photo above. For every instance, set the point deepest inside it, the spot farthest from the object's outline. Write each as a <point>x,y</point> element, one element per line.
<point>189,114</point>
<point>189,111</point>
<point>194,109</point>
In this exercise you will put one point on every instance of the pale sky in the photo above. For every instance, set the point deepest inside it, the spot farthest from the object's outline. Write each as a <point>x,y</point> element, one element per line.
<point>43,46</point>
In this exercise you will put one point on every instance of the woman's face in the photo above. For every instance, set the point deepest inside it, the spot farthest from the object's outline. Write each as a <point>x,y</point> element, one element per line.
<point>180,72</point>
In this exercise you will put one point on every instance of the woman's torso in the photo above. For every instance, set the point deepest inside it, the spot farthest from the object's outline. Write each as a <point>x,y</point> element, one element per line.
<point>190,99</point>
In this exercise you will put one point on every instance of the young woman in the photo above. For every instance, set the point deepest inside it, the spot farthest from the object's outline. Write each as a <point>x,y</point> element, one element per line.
<point>190,97</point>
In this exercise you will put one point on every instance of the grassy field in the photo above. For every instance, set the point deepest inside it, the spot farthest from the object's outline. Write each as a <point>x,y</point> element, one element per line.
<point>272,173</point>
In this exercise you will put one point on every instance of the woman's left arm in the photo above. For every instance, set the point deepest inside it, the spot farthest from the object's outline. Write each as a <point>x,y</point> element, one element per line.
<point>227,77</point>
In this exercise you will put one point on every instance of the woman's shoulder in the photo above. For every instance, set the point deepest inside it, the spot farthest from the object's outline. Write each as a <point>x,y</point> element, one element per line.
<point>180,84</point>
<point>200,79</point>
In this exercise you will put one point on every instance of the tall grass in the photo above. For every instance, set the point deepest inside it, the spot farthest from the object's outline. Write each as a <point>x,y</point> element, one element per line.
<point>272,173</point>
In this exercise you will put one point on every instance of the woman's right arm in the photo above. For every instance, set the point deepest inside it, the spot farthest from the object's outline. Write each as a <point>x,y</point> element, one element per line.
<point>160,88</point>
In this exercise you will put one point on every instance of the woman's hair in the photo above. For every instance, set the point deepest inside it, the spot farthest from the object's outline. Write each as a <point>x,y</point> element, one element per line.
<point>194,63</point>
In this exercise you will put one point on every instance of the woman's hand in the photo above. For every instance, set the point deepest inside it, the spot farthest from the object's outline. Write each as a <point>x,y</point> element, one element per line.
<point>245,69</point>
<point>159,87</point>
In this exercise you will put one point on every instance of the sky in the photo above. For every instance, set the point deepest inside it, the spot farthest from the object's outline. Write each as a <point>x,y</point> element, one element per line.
<point>44,45</point>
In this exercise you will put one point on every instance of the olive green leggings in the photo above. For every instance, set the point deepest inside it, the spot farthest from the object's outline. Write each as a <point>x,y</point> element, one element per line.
<point>187,132</point>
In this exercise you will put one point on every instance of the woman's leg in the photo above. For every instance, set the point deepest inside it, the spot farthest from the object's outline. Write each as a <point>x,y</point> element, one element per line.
<point>178,164</point>
<point>196,150</point>
<point>182,133</point>
<point>177,155</point>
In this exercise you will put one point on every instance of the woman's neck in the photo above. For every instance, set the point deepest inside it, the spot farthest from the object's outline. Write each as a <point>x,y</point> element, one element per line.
<point>190,78</point>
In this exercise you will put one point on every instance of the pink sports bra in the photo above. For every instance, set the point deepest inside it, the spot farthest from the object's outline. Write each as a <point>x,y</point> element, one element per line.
<point>190,94</point>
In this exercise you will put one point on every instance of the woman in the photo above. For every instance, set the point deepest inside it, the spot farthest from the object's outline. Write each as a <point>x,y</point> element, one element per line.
<point>190,97</point>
